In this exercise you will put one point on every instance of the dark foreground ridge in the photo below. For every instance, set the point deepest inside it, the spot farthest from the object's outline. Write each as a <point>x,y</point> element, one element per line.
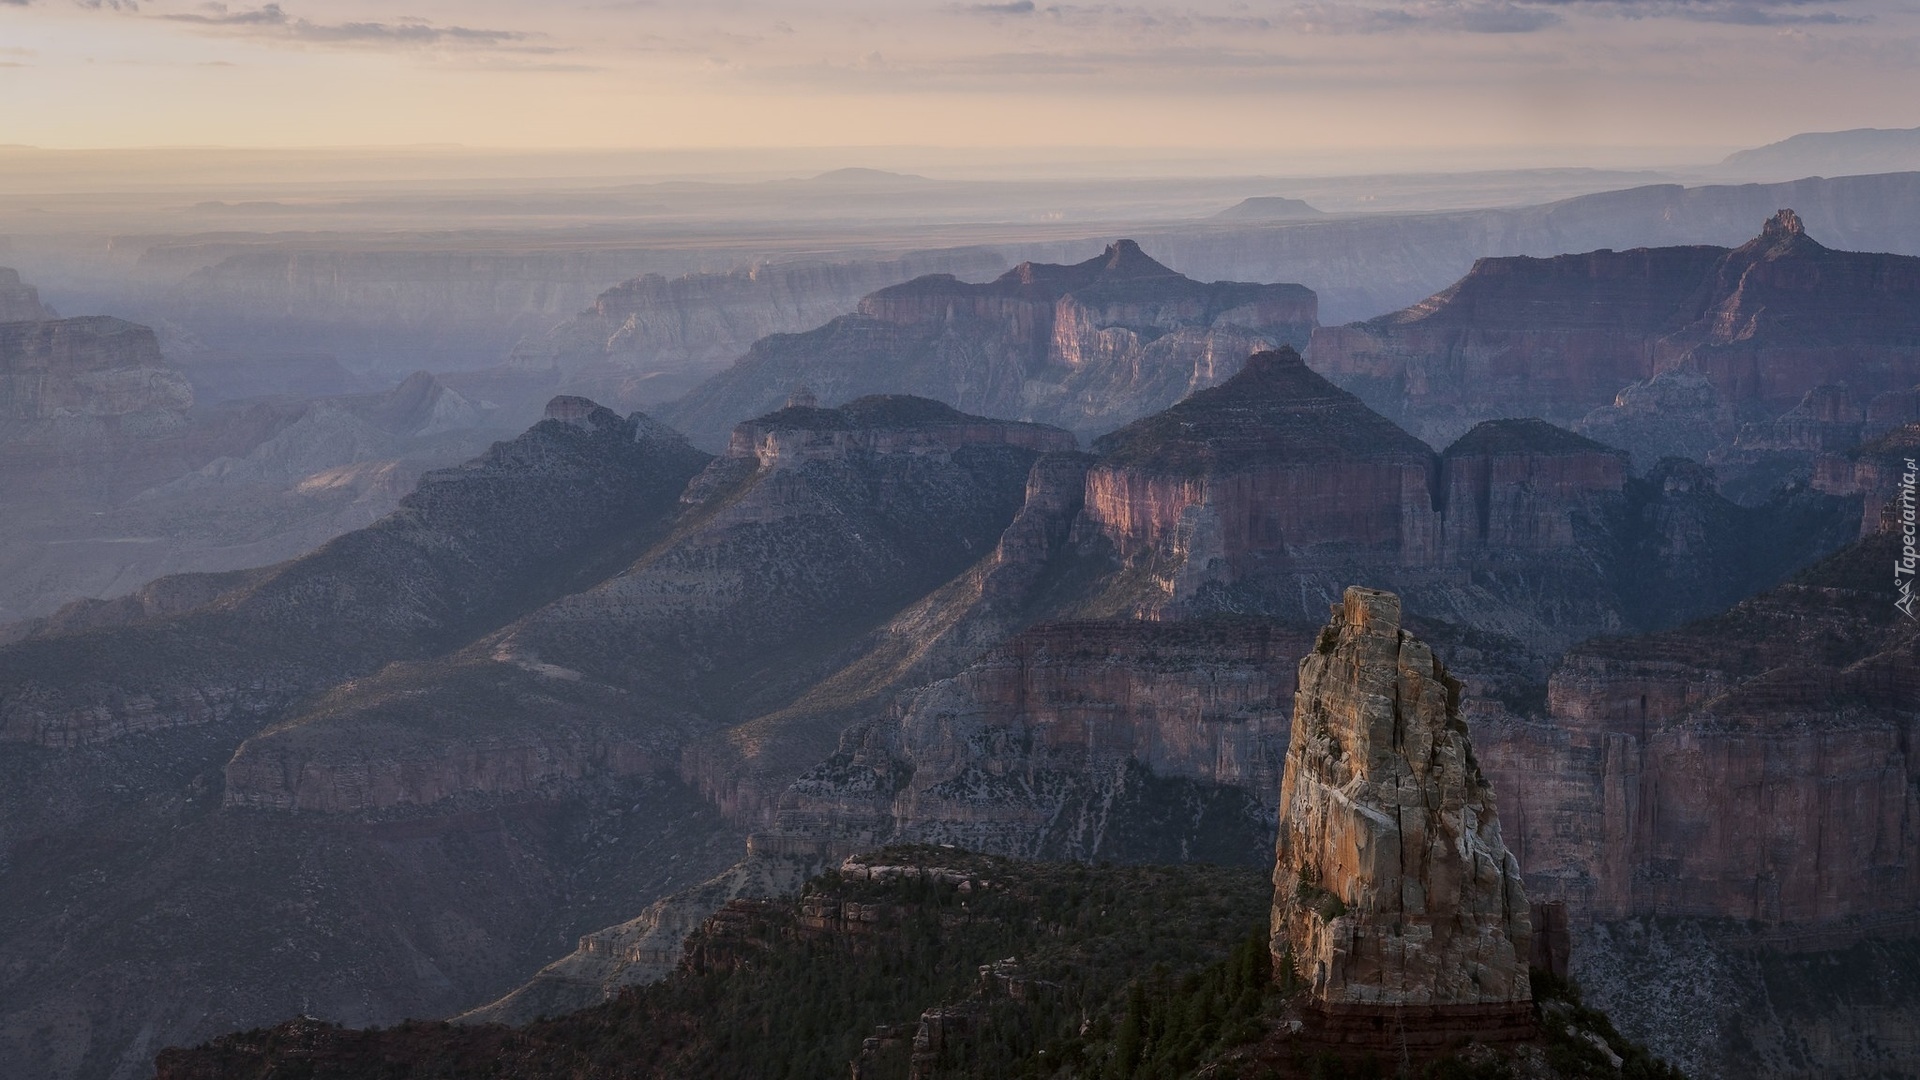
<point>932,962</point>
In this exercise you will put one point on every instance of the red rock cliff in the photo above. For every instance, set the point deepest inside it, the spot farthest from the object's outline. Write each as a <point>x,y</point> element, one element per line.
<point>1757,765</point>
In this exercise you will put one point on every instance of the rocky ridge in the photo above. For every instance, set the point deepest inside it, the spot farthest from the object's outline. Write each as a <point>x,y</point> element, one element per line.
<point>119,474</point>
<point>1082,346</point>
<point>420,580</point>
<point>1762,324</point>
<point>652,338</point>
<point>867,507</point>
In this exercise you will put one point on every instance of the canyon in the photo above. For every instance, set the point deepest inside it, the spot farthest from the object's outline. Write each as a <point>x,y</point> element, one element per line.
<point>1029,709</point>
<point>117,472</point>
<point>579,676</point>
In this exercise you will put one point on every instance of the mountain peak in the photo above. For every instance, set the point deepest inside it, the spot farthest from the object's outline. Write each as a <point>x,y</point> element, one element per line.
<point>1123,258</point>
<point>1783,232</point>
<point>1275,408</point>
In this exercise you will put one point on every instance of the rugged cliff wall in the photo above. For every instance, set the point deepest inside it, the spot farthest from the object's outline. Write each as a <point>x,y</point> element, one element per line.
<point>1872,471</point>
<point>1756,765</point>
<point>94,368</point>
<point>1135,741</point>
<point>653,338</point>
<point>1083,346</point>
<point>1763,324</point>
<point>1276,462</point>
<point>1277,488</point>
<point>1393,890</point>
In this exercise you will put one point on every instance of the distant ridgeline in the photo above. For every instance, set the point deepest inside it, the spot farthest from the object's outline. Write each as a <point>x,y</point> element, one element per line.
<point>1085,347</point>
<point>1752,359</point>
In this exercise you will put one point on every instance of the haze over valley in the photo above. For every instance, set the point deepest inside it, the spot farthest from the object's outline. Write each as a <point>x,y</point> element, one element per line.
<point>978,540</point>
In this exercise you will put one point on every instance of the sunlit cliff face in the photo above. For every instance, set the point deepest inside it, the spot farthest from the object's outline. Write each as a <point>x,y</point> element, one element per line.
<point>1511,81</point>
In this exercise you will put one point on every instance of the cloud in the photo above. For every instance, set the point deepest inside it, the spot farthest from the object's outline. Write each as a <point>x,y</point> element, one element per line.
<point>1017,7</point>
<point>1465,16</point>
<point>1731,12</point>
<point>272,22</point>
<point>1525,16</point>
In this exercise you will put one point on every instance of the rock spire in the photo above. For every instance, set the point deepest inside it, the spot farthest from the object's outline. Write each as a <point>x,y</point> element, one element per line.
<point>1393,891</point>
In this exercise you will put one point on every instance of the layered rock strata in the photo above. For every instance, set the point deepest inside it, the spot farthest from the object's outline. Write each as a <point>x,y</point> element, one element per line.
<point>1763,324</point>
<point>1757,765</point>
<point>817,525</point>
<point>1394,895</point>
<point>1873,471</point>
<point>92,368</point>
<point>1270,491</point>
<point>1136,741</point>
<point>653,338</point>
<point>1084,346</point>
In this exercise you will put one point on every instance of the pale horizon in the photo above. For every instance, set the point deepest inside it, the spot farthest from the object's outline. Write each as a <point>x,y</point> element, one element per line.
<point>1330,88</point>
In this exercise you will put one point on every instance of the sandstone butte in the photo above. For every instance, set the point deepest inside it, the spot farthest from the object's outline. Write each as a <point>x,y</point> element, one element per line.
<point>1396,902</point>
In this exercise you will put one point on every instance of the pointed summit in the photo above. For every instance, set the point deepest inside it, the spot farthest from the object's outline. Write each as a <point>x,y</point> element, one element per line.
<point>1783,234</point>
<point>1394,893</point>
<point>1276,409</point>
<point>1783,224</point>
<point>1125,259</point>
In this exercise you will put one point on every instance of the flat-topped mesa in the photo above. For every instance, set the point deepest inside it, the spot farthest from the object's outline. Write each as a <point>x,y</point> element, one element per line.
<point>1394,894</point>
<point>1110,304</point>
<point>88,367</point>
<point>1515,485</point>
<point>1274,459</point>
<point>885,424</point>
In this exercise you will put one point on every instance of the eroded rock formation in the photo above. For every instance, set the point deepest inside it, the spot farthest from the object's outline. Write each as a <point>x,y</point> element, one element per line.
<point>1757,765</point>
<point>1085,346</point>
<point>1139,741</point>
<point>1763,324</point>
<point>87,368</point>
<point>1393,889</point>
<point>654,337</point>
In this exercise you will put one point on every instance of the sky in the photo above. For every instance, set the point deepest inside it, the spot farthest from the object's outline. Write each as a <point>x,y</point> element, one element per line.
<point>1499,81</point>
